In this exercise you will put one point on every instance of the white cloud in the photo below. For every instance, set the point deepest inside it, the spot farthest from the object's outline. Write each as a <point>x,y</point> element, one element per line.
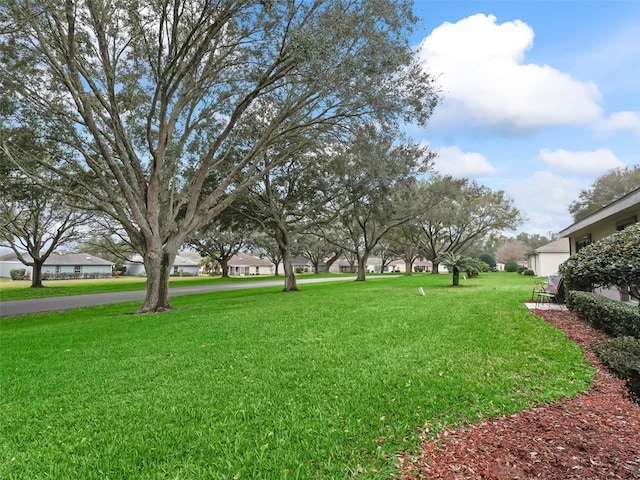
<point>485,80</point>
<point>620,121</point>
<point>455,162</point>
<point>544,199</point>
<point>581,163</point>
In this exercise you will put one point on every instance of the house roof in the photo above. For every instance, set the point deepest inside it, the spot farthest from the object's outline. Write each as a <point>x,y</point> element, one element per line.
<point>300,261</point>
<point>561,245</point>
<point>242,260</point>
<point>62,259</point>
<point>629,201</point>
<point>179,261</point>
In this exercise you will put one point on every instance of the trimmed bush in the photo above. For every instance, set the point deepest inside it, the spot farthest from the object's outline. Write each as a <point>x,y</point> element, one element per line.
<point>511,266</point>
<point>615,318</point>
<point>622,356</point>
<point>17,273</point>
<point>529,273</point>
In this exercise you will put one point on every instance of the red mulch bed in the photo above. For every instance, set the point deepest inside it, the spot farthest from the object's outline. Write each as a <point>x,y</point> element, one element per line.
<point>595,435</point>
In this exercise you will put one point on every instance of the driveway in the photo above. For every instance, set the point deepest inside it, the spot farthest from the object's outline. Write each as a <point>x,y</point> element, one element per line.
<point>22,307</point>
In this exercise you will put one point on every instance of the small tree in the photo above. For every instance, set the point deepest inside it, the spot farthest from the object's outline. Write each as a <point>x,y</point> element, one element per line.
<point>613,261</point>
<point>457,263</point>
<point>488,259</point>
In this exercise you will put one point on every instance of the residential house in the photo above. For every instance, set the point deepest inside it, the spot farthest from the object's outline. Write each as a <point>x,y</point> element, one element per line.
<point>612,218</point>
<point>374,265</point>
<point>182,265</point>
<point>342,265</point>
<point>545,260</point>
<point>60,266</point>
<point>245,265</point>
<point>422,266</point>
<point>301,265</point>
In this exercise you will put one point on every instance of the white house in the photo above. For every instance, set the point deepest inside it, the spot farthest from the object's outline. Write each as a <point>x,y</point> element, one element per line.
<point>182,265</point>
<point>245,265</point>
<point>545,260</point>
<point>61,266</point>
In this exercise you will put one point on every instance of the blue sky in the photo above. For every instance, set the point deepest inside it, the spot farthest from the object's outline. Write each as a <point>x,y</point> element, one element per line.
<point>540,97</point>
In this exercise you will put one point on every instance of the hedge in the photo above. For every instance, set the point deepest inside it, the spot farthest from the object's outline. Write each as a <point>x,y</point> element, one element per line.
<point>622,356</point>
<point>613,317</point>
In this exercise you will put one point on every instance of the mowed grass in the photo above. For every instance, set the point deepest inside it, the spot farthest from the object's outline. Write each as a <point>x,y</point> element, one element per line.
<point>328,382</point>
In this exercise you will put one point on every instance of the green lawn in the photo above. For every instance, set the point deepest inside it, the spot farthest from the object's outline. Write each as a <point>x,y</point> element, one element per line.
<point>328,382</point>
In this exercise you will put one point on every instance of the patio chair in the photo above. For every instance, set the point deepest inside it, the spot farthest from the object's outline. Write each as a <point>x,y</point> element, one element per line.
<point>553,292</point>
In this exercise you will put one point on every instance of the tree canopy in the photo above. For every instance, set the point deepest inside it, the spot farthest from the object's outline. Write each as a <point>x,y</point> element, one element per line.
<point>155,100</point>
<point>606,189</point>
<point>459,212</point>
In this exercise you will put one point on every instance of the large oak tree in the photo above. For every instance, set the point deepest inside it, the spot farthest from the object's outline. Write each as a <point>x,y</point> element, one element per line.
<point>459,212</point>
<point>159,99</point>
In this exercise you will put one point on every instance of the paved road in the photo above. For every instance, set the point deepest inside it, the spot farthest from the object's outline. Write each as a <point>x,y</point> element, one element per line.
<point>22,307</point>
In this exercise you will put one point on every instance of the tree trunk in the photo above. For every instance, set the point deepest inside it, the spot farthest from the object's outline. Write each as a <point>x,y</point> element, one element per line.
<point>362,266</point>
<point>158,267</point>
<point>435,269</point>
<point>224,265</point>
<point>290,283</point>
<point>408,267</point>
<point>456,277</point>
<point>36,274</point>
<point>331,261</point>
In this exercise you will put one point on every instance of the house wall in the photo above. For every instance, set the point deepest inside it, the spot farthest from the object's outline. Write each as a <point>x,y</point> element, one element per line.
<point>6,267</point>
<point>192,270</point>
<point>546,263</point>
<point>250,270</point>
<point>134,269</point>
<point>604,228</point>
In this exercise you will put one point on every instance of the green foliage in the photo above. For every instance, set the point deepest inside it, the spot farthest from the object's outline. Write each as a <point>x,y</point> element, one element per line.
<point>511,266</point>
<point>606,189</point>
<point>488,259</point>
<point>212,89</point>
<point>260,384</point>
<point>622,356</point>
<point>528,272</point>
<point>459,212</point>
<point>17,273</point>
<point>608,315</point>
<point>613,261</point>
<point>457,263</point>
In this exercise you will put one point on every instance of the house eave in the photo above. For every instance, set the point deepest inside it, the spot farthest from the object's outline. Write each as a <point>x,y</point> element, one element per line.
<point>627,202</point>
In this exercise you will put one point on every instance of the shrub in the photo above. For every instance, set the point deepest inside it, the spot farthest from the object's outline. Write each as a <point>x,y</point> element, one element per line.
<point>511,266</point>
<point>615,318</point>
<point>529,273</point>
<point>622,356</point>
<point>17,273</point>
<point>613,261</point>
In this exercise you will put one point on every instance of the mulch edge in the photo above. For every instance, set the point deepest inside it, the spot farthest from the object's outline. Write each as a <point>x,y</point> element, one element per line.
<point>591,436</point>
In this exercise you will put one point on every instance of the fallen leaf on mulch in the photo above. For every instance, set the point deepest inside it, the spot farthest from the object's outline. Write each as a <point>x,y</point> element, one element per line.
<point>594,436</point>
